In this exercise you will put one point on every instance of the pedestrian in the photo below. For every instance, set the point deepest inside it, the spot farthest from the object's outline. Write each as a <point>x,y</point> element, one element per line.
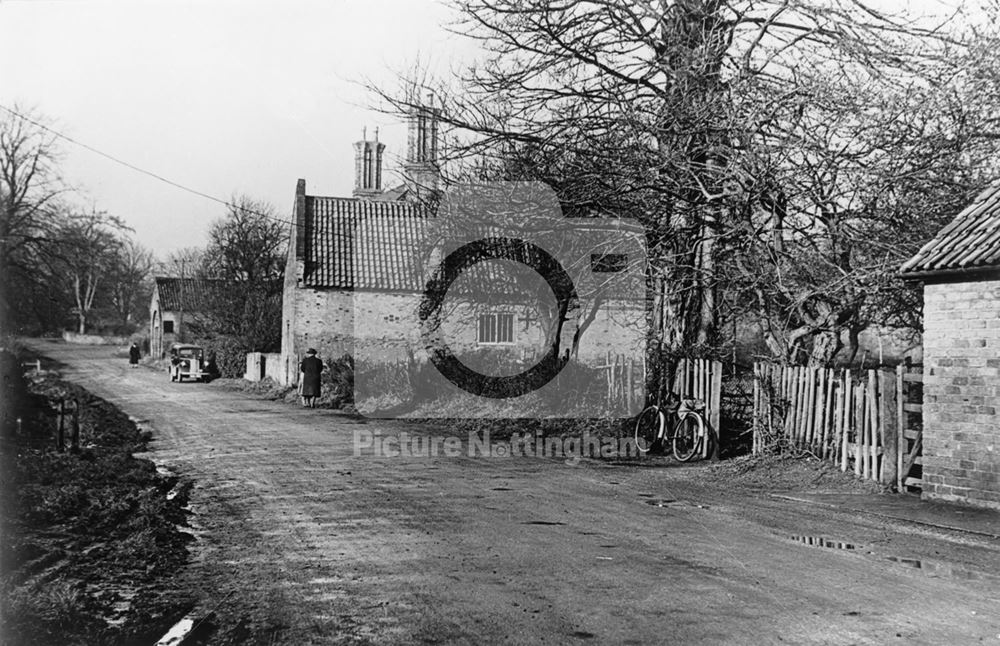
<point>311,368</point>
<point>133,356</point>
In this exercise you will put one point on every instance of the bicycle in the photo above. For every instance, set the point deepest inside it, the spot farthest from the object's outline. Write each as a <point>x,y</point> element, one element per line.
<point>686,436</point>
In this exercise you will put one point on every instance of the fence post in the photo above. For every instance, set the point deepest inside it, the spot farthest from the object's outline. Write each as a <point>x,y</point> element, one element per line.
<point>715,413</point>
<point>74,441</point>
<point>901,445</point>
<point>62,426</point>
<point>756,407</point>
<point>890,426</point>
<point>847,417</point>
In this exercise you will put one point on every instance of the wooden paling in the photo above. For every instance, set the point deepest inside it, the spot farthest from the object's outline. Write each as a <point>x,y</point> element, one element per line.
<point>856,423</point>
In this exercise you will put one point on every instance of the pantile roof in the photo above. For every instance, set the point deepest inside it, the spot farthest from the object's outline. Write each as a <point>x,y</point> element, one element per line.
<point>358,244</point>
<point>971,242</point>
<point>194,293</point>
<point>384,234</point>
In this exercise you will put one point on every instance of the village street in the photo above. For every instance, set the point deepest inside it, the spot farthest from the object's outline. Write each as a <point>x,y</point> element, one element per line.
<point>309,544</point>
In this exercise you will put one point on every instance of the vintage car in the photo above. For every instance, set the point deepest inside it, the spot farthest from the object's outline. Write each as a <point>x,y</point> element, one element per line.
<point>187,361</point>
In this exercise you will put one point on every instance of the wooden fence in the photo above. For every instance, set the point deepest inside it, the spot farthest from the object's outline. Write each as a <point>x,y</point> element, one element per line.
<point>855,420</point>
<point>701,379</point>
<point>625,380</point>
<point>693,378</point>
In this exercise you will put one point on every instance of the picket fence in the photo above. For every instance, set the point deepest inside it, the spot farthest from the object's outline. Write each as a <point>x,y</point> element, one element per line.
<point>857,420</point>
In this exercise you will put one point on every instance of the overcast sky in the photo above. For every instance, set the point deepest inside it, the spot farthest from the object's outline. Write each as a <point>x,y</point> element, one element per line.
<point>222,96</point>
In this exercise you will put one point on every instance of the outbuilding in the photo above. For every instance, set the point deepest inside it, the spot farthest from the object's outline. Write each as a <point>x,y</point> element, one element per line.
<point>960,271</point>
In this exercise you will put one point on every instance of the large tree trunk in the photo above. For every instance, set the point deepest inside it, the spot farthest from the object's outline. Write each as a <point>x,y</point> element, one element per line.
<point>825,347</point>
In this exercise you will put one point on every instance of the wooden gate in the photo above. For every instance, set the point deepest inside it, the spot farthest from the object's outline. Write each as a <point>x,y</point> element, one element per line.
<point>909,385</point>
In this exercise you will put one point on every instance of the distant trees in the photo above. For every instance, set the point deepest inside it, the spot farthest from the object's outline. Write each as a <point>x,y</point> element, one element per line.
<point>248,244</point>
<point>247,251</point>
<point>57,263</point>
<point>84,253</point>
<point>128,279</point>
<point>30,188</point>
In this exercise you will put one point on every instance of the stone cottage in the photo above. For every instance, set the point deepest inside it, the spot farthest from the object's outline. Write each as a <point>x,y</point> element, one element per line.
<point>960,271</point>
<point>175,304</point>
<point>354,284</point>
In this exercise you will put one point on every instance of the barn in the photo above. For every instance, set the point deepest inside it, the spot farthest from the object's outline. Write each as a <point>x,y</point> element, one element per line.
<point>960,272</point>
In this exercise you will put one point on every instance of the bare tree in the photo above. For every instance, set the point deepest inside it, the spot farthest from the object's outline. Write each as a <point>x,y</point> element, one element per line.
<point>742,134</point>
<point>30,188</point>
<point>188,262</point>
<point>249,243</point>
<point>131,264</point>
<point>85,254</point>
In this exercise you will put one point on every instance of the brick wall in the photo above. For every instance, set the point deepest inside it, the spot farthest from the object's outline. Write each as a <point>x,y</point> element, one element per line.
<point>961,441</point>
<point>388,328</point>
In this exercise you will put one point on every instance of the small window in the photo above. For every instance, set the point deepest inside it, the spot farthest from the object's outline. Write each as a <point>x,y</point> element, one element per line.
<point>495,329</point>
<point>608,263</point>
<point>168,327</point>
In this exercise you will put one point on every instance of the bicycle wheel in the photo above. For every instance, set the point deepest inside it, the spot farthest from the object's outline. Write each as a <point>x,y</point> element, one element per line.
<point>688,436</point>
<point>649,428</point>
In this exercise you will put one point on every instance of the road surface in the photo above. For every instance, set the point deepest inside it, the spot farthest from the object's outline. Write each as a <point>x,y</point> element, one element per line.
<point>308,543</point>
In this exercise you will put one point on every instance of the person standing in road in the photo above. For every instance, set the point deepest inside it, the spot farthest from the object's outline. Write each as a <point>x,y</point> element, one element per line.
<point>311,368</point>
<point>133,356</point>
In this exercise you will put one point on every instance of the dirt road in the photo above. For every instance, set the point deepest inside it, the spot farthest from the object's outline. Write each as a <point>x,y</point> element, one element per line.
<point>303,542</point>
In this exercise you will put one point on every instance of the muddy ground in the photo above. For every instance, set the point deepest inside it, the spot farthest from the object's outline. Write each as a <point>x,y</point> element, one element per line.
<point>92,537</point>
<point>302,538</point>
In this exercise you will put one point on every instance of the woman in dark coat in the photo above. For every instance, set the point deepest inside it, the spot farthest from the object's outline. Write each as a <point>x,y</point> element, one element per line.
<point>311,369</point>
<point>133,356</point>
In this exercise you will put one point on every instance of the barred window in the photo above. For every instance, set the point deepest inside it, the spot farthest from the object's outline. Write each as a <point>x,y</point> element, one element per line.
<point>495,329</point>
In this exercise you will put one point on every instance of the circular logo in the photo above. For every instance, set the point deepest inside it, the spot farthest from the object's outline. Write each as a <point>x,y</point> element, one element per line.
<point>466,256</point>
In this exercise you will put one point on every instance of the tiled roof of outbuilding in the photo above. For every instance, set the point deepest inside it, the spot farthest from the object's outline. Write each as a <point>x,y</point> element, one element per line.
<point>971,242</point>
<point>194,293</point>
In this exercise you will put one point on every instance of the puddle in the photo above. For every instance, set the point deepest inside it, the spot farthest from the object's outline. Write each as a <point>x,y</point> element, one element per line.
<point>502,489</point>
<point>543,522</point>
<point>178,633</point>
<point>820,541</point>
<point>941,569</point>
<point>644,495</point>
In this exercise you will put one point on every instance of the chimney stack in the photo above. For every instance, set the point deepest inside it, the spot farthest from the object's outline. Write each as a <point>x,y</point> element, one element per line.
<point>368,166</point>
<point>421,169</point>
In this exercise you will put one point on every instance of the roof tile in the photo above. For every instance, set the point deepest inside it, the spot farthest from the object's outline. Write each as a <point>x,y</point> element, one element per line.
<point>971,241</point>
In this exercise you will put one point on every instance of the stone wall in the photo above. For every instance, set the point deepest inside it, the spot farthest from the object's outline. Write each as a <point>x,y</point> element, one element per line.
<point>961,441</point>
<point>94,339</point>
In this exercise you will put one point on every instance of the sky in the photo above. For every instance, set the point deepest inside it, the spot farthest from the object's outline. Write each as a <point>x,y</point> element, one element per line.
<point>220,96</point>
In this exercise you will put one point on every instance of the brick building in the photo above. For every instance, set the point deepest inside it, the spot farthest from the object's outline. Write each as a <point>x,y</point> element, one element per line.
<point>174,305</point>
<point>960,270</point>
<point>353,282</point>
